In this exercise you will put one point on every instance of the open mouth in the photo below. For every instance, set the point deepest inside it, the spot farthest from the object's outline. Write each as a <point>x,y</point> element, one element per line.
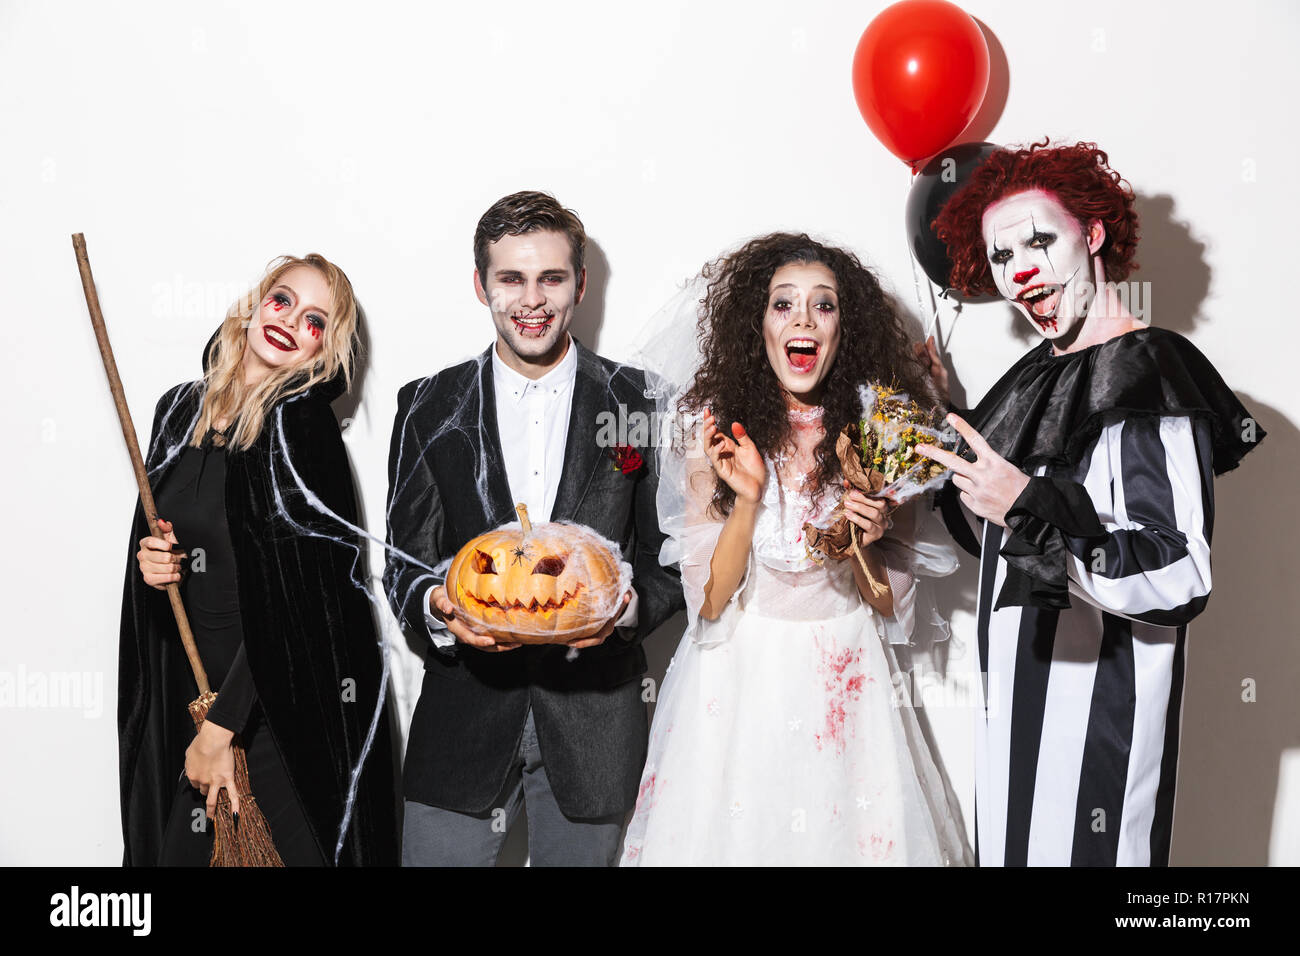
<point>1042,301</point>
<point>802,354</point>
<point>278,337</point>
<point>532,326</point>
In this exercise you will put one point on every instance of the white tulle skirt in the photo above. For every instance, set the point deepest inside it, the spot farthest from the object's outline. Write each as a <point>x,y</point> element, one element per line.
<point>787,745</point>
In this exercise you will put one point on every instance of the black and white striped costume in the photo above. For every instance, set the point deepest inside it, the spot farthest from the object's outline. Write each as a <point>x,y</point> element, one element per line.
<point>1077,741</point>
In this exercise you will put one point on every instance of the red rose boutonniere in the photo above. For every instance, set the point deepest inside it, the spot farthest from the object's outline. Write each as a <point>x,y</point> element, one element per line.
<point>626,458</point>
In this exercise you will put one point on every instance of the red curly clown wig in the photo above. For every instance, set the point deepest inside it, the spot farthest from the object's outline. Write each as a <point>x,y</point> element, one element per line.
<point>1078,176</point>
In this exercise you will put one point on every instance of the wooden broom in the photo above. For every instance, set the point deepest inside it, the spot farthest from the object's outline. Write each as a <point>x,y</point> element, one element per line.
<point>249,844</point>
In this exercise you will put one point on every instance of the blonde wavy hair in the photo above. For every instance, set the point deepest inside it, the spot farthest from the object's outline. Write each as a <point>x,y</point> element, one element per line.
<point>225,396</point>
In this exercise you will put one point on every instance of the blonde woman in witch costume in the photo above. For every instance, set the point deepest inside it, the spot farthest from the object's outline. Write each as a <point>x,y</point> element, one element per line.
<point>778,738</point>
<point>245,464</point>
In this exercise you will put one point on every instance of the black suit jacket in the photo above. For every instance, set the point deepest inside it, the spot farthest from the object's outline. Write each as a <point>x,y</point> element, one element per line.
<point>447,484</point>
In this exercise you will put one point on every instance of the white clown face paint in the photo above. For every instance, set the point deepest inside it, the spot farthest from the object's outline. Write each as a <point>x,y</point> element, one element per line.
<point>532,292</point>
<point>801,328</point>
<point>1043,261</point>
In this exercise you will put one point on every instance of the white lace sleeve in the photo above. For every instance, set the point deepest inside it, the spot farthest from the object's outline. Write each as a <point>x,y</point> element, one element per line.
<point>915,549</point>
<point>685,489</point>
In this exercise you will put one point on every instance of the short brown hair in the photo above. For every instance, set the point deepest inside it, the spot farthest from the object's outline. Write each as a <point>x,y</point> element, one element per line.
<point>524,212</point>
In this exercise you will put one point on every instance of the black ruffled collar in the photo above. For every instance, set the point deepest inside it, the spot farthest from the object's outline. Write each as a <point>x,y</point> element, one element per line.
<point>1049,409</point>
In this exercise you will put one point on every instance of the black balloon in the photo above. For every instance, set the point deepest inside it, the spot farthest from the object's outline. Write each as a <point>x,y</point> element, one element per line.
<point>931,188</point>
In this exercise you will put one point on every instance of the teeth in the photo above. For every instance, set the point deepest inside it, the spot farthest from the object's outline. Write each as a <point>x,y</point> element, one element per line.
<point>538,321</point>
<point>801,344</point>
<point>279,336</point>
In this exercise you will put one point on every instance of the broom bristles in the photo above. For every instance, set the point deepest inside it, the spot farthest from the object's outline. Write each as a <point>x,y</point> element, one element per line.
<point>251,844</point>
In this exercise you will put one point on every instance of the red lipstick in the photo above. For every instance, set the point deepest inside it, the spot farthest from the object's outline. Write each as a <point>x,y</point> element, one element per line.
<point>278,337</point>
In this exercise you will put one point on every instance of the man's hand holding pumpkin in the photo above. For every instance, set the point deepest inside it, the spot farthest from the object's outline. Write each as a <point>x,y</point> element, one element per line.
<point>604,632</point>
<point>441,605</point>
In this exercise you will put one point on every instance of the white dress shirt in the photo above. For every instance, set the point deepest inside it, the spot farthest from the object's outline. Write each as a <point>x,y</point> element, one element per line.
<point>533,424</point>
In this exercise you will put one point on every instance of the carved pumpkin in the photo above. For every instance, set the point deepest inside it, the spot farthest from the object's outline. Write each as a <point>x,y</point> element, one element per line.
<point>540,584</point>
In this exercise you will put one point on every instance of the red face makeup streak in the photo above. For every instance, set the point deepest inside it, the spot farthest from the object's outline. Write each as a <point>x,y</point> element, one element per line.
<point>315,330</point>
<point>276,304</point>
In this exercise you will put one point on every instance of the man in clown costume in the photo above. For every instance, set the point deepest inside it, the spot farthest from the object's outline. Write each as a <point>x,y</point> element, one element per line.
<point>1090,466</point>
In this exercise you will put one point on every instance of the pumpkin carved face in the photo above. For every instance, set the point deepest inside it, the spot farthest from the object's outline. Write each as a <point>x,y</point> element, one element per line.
<point>537,584</point>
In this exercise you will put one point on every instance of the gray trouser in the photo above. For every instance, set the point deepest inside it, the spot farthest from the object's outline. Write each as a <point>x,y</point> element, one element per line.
<point>432,836</point>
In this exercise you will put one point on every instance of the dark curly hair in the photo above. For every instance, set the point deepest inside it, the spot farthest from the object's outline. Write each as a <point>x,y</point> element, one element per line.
<point>1080,178</point>
<point>737,381</point>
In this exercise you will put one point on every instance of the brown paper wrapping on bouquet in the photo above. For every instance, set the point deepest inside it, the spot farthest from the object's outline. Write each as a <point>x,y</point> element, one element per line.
<point>841,538</point>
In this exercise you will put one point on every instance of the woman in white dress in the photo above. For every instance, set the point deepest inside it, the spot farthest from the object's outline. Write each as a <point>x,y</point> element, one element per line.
<point>780,734</point>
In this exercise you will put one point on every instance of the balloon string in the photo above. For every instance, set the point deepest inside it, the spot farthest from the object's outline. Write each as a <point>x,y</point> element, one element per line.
<point>932,325</point>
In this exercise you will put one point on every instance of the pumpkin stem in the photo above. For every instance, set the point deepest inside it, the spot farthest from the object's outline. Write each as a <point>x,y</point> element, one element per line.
<point>522,510</point>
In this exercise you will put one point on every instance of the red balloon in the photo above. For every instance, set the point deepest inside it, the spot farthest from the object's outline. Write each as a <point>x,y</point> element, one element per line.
<point>919,75</point>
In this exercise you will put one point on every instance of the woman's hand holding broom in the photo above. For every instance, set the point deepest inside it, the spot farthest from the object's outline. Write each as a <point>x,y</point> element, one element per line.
<point>210,765</point>
<point>160,558</point>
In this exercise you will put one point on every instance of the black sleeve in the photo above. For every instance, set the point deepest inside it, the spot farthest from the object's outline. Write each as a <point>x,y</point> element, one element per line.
<point>658,588</point>
<point>414,516</point>
<point>949,505</point>
<point>236,697</point>
<point>148,720</point>
<point>1152,563</point>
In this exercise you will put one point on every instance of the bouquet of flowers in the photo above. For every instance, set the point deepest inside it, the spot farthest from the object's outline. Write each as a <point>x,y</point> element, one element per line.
<point>878,456</point>
<point>887,435</point>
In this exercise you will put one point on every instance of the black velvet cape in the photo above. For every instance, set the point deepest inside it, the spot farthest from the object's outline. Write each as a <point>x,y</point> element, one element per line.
<point>309,634</point>
<point>1049,409</point>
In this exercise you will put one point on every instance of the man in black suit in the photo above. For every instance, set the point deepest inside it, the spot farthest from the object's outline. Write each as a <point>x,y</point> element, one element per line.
<point>560,727</point>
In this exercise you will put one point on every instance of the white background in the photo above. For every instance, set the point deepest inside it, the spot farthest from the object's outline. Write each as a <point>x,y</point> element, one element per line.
<point>192,143</point>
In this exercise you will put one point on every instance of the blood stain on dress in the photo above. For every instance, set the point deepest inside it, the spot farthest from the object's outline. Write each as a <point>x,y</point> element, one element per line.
<point>844,682</point>
<point>880,849</point>
<point>645,796</point>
